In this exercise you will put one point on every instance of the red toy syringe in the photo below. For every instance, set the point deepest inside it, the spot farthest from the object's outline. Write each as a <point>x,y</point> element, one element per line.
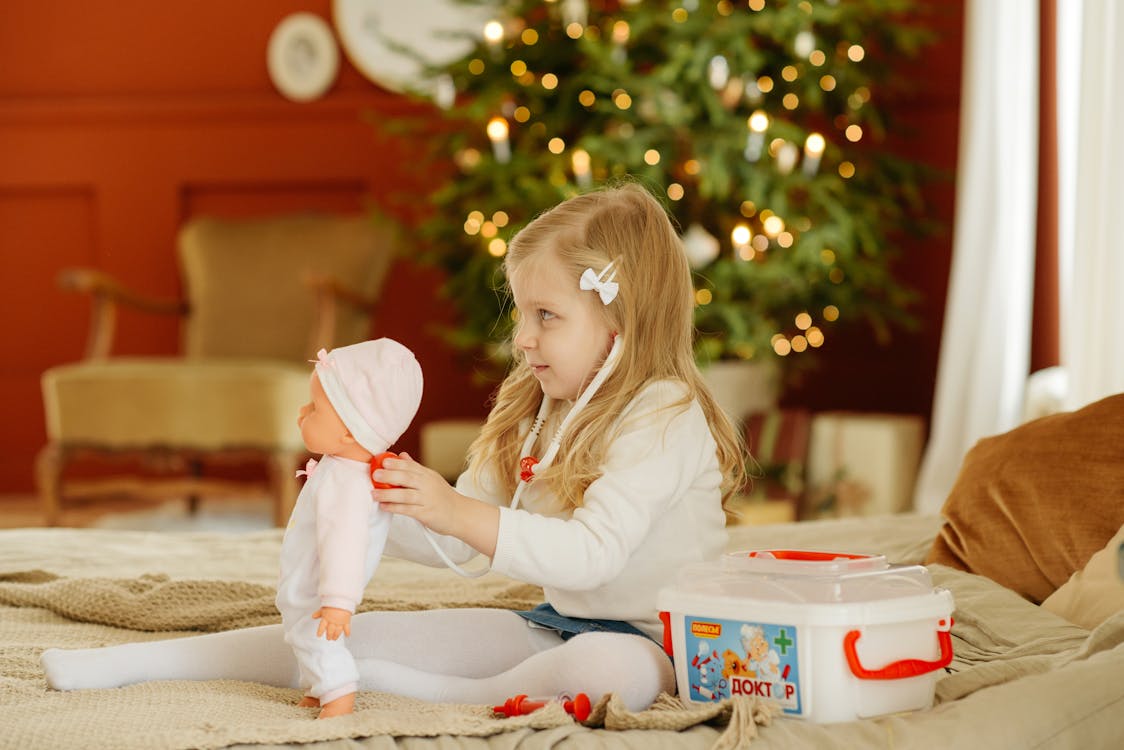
<point>578,706</point>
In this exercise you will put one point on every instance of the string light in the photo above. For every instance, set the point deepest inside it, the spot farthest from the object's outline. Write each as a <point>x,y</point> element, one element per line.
<point>493,36</point>
<point>580,162</point>
<point>556,145</point>
<point>675,191</point>
<point>497,133</point>
<point>757,123</point>
<point>831,313</point>
<point>854,133</point>
<point>497,248</point>
<point>814,146</point>
<point>476,66</point>
<point>786,157</point>
<point>651,157</point>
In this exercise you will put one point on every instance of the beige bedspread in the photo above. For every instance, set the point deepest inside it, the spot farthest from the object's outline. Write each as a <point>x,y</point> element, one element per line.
<point>1021,677</point>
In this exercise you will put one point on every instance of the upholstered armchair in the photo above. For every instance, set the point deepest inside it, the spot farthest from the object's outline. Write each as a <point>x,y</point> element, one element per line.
<point>261,296</point>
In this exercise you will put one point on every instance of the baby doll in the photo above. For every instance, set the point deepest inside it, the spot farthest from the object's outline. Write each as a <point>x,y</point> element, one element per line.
<point>363,397</point>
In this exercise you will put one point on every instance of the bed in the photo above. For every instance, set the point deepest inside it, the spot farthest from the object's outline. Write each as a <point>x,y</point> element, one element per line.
<point>1028,544</point>
<point>1021,677</point>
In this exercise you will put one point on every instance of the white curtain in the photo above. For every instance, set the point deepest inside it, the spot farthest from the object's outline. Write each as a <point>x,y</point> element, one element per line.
<point>1092,197</point>
<point>985,342</point>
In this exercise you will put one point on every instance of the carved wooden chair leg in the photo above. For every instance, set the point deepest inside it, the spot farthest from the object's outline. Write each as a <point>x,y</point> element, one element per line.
<point>195,471</point>
<point>284,484</point>
<point>48,478</point>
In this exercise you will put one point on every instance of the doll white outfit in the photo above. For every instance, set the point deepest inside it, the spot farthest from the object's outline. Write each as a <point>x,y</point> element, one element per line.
<point>336,533</point>
<point>331,548</point>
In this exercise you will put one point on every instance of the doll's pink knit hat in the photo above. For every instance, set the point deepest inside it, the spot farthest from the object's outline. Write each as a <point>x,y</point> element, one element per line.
<point>375,387</point>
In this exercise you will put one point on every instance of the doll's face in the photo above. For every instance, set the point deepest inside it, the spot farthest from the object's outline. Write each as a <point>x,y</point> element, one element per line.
<point>321,428</point>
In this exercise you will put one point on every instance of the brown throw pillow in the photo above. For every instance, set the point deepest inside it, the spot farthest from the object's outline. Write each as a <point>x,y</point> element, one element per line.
<point>1031,506</point>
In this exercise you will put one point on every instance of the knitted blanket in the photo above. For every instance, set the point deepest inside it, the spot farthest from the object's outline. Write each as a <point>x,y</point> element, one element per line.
<point>1021,676</point>
<point>42,609</point>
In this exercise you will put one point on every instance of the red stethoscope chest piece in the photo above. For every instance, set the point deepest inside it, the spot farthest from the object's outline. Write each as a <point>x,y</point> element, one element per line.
<point>527,468</point>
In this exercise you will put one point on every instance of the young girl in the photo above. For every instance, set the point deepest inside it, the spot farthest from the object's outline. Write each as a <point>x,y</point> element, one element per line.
<point>601,470</point>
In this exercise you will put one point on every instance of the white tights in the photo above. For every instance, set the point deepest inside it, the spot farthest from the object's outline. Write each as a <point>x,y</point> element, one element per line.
<point>480,656</point>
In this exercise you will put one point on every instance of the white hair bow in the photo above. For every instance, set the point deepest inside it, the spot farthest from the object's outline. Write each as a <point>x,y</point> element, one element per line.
<point>606,288</point>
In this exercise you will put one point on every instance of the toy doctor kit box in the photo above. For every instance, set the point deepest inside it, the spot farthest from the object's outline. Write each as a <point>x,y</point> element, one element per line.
<point>829,636</point>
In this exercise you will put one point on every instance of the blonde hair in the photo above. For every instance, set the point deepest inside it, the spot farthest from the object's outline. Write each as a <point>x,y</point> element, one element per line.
<point>653,312</point>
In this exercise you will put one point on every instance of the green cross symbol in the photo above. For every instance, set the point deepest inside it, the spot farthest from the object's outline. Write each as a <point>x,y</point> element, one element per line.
<point>782,642</point>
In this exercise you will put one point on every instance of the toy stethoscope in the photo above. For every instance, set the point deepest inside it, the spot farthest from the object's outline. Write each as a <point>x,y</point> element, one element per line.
<point>551,450</point>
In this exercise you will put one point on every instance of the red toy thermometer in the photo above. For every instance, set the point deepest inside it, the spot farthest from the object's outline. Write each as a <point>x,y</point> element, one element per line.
<point>578,706</point>
<point>376,464</point>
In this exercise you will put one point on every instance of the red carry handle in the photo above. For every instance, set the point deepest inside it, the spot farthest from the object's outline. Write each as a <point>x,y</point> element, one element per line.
<point>804,555</point>
<point>899,669</point>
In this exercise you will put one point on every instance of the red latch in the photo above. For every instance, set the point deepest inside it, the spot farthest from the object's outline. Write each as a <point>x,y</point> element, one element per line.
<point>665,618</point>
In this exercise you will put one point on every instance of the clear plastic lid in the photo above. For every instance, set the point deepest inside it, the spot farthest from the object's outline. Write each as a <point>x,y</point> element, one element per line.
<point>803,576</point>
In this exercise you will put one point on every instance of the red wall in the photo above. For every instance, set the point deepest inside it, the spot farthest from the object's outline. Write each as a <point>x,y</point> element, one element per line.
<point>119,120</point>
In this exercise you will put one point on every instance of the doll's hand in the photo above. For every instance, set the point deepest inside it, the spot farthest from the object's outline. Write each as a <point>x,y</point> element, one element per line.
<point>333,622</point>
<point>423,494</point>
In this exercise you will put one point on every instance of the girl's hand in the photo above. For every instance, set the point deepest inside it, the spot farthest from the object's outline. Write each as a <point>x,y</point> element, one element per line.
<point>423,494</point>
<point>333,622</point>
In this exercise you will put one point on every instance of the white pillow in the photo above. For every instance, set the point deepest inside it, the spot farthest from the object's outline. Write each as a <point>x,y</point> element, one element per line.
<point>1094,593</point>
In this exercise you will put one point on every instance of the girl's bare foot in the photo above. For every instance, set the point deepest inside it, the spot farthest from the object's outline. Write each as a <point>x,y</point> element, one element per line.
<point>339,707</point>
<point>309,702</point>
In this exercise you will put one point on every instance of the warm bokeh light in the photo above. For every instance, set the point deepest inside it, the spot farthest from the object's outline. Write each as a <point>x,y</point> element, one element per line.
<point>493,32</point>
<point>741,235</point>
<point>497,128</point>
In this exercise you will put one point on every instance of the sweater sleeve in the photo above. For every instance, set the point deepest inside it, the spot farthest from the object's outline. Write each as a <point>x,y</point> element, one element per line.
<point>342,534</point>
<point>407,536</point>
<point>647,467</point>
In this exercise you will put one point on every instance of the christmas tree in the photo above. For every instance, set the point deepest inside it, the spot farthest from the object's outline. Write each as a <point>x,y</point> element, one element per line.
<point>758,123</point>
